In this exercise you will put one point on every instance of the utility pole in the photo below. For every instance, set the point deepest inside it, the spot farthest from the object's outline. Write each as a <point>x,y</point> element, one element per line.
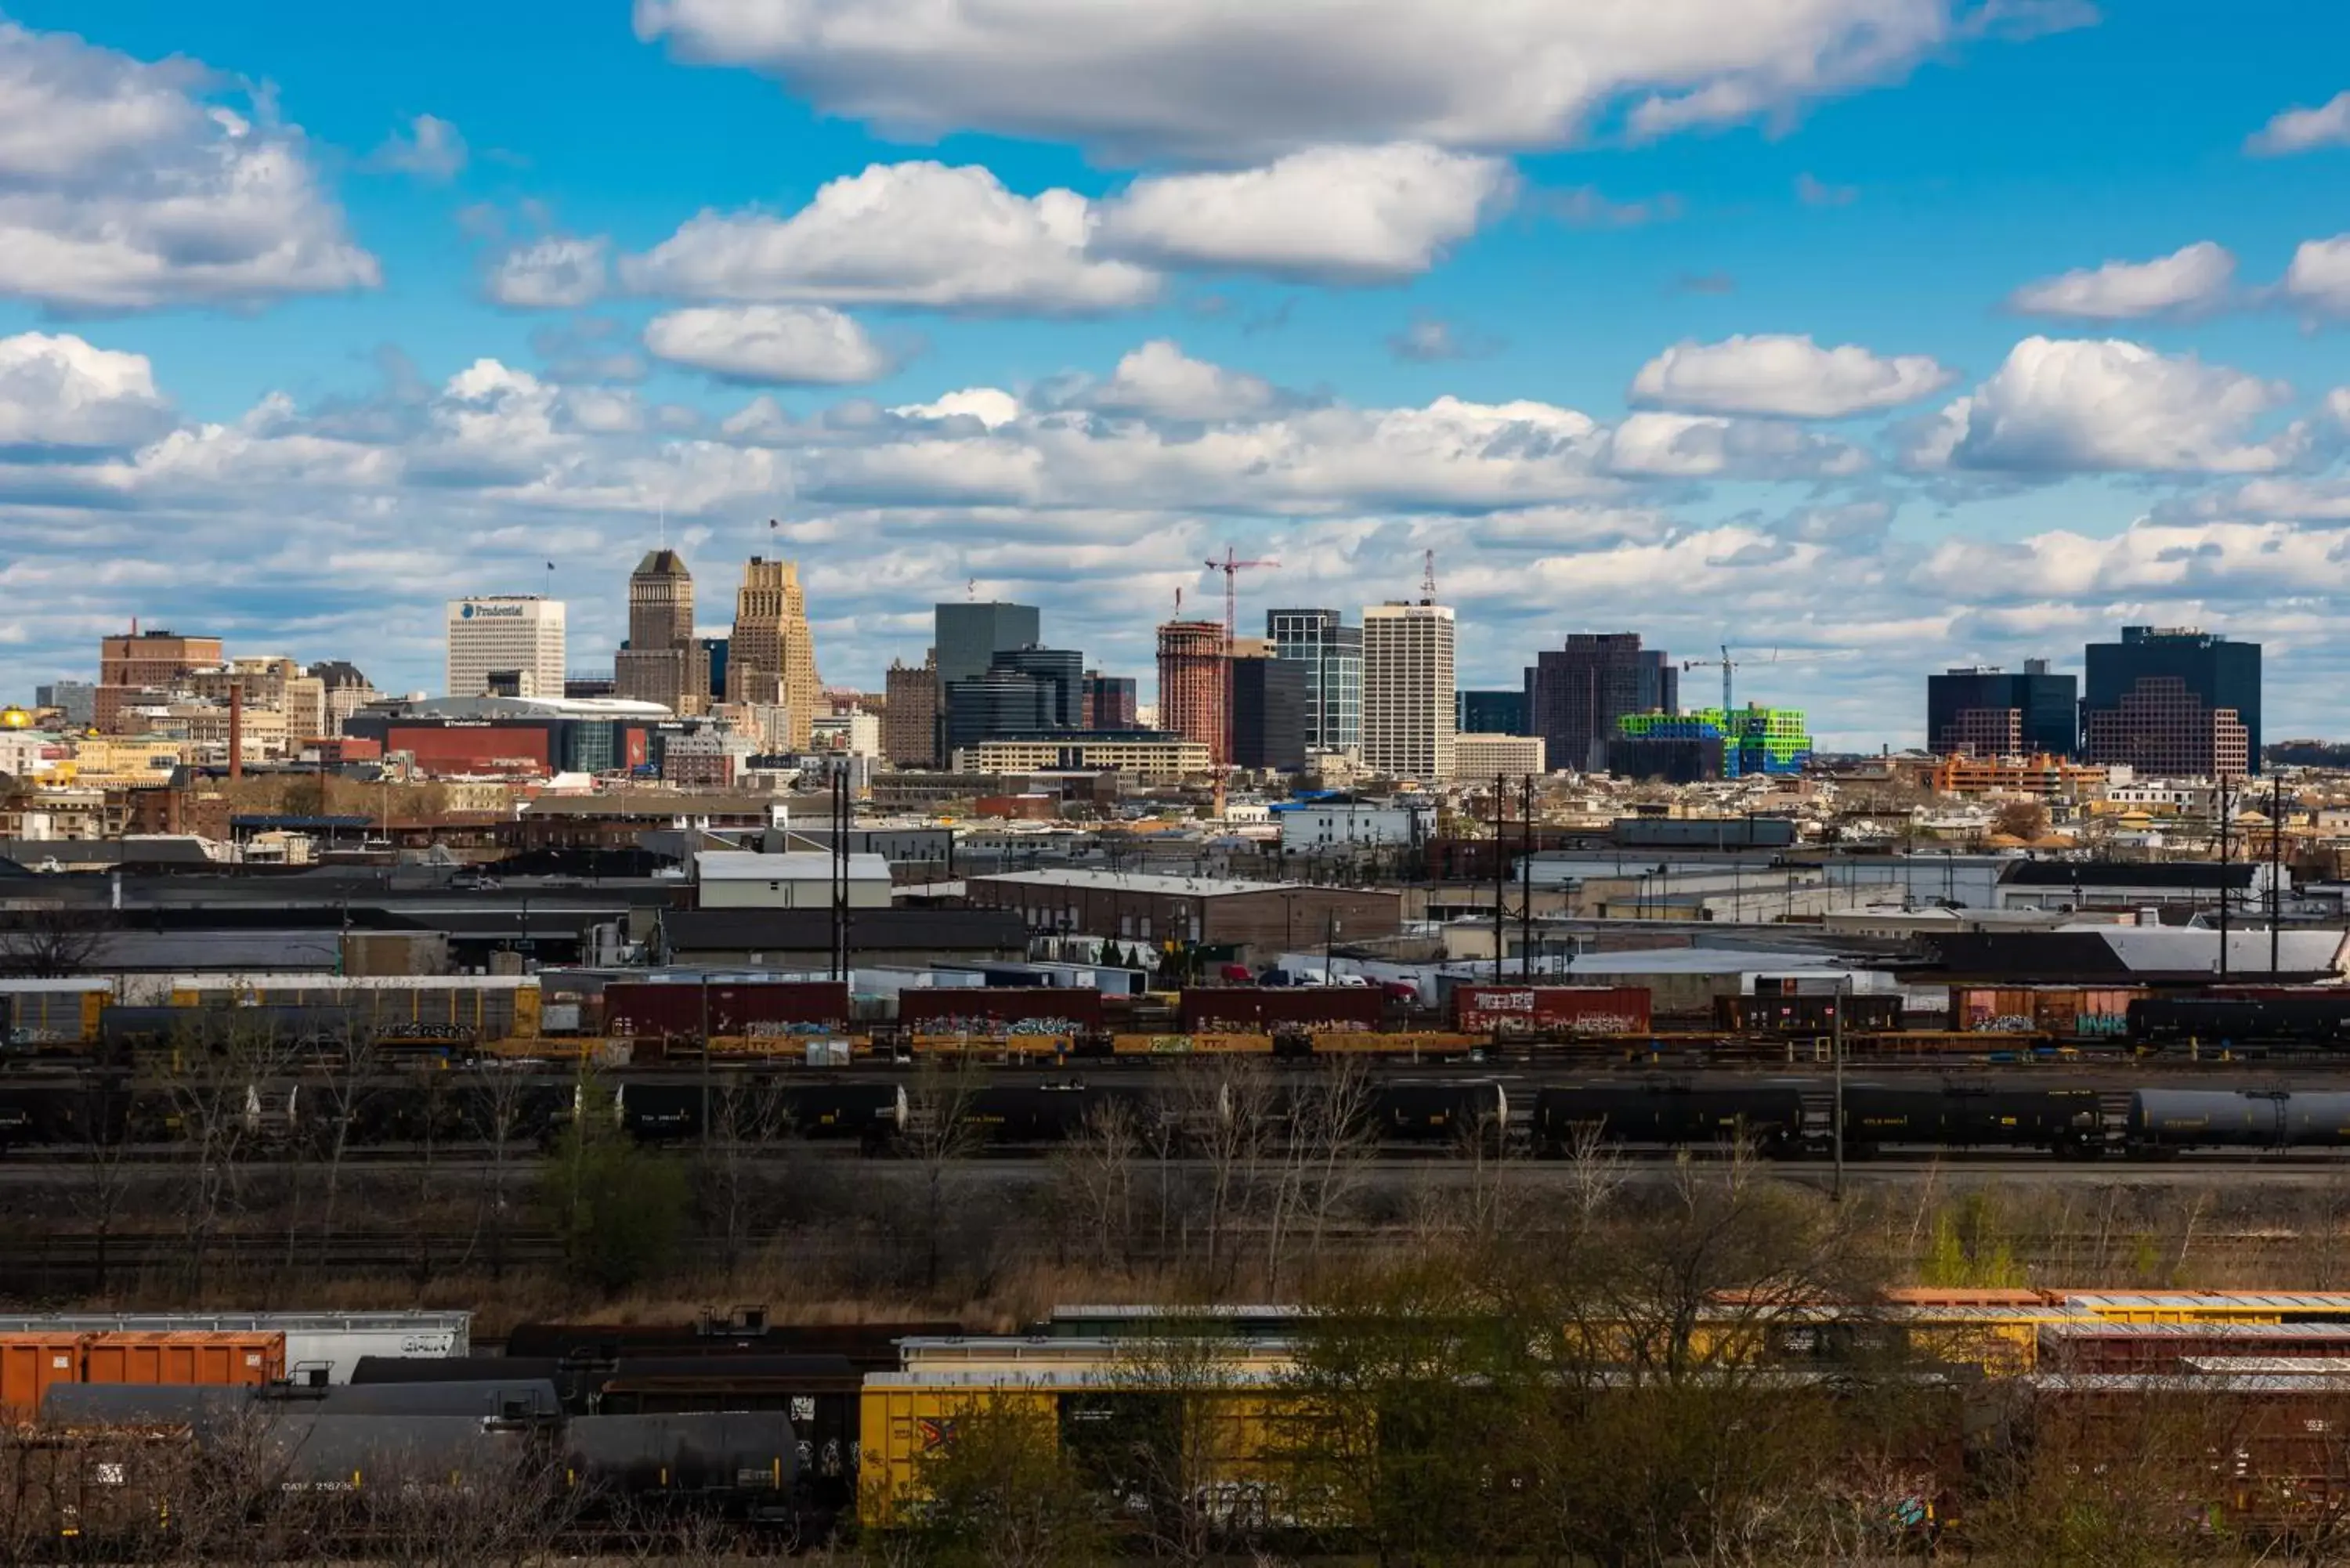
<point>705,1062</point>
<point>1501,867</point>
<point>1526,880</point>
<point>842,817</point>
<point>2223,876</point>
<point>1836,1059</point>
<point>2276,871</point>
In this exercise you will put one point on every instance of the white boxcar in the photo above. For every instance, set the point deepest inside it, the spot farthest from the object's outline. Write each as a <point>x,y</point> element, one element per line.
<point>334,1340</point>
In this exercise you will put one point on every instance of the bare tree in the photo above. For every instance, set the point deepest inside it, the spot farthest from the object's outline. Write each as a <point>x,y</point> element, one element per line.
<point>53,940</point>
<point>1095,1172</point>
<point>1228,1109</point>
<point>1331,1148</point>
<point>940,1134</point>
<point>220,1063</point>
<point>746,1115</point>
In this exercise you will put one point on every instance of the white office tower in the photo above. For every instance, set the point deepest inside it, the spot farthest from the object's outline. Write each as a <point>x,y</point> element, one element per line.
<point>1407,690</point>
<point>497,632</point>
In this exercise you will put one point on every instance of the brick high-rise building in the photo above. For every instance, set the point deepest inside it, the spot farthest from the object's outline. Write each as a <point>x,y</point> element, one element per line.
<point>662,661</point>
<point>145,661</point>
<point>1110,701</point>
<point>1575,694</point>
<point>771,654</point>
<point>1192,684</point>
<point>1408,691</point>
<point>910,719</point>
<point>2175,703</point>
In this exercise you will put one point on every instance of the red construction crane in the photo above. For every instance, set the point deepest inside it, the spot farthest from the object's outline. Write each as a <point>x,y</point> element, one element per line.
<point>1232,566</point>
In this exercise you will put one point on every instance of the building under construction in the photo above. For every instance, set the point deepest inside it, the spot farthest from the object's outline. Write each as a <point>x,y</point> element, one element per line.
<point>1709,742</point>
<point>1193,684</point>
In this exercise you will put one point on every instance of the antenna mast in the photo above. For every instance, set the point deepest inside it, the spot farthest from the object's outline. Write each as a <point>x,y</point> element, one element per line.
<point>1428,576</point>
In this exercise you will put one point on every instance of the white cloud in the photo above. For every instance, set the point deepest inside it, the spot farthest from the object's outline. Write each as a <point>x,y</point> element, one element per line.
<point>2319,278</point>
<point>1212,78</point>
<point>1813,192</point>
<point>431,149</point>
<point>1783,375</point>
<point>61,391</point>
<point>991,407</point>
<point>778,343</point>
<point>122,187</point>
<point>2082,405</point>
<point>556,273</point>
<point>2301,129</point>
<point>1697,446</point>
<point>1159,380</point>
<point>2187,281</point>
<point>1336,214</point>
<point>1430,339</point>
<point>917,233</point>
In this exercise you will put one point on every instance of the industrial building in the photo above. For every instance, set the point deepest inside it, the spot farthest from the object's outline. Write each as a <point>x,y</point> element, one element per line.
<point>1247,918</point>
<point>793,879</point>
<point>1409,690</point>
<point>501,632</point>
<point>2173,701</point>
<point>1984,711</point>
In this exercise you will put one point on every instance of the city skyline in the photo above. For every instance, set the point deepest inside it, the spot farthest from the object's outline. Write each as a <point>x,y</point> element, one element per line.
<point>1734,342</point>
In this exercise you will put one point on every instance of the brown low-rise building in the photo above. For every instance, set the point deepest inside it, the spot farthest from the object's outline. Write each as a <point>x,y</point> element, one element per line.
<point>1257,920</point>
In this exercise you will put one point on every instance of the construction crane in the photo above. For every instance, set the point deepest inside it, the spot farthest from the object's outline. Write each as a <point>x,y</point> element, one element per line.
<point>1727,664</point>
<point>1231,566</point>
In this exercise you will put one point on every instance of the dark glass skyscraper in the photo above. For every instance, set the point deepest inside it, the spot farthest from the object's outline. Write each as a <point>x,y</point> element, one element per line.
<point>1991,712</point>
<point>1574,695</point>
<point>2173,701</point>
<point>1332,654</point>
<point>967,638</point>
<point>1269,713</point>
<point>1492,713</point>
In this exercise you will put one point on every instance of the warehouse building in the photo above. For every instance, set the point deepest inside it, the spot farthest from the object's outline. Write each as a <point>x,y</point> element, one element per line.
<point>1248,917</point>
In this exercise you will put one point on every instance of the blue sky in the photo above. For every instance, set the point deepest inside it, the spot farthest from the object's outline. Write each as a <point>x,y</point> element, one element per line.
<point>1715,320</point>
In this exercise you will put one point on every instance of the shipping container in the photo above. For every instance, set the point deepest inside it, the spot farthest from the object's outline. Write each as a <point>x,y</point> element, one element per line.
<point>30,1363</point>
<point>335,1341</point>
<point>1249,1009</point>
<point>218,1360</point>
<point>999,1009</point>
<point>686,1009</point>
<point>2161,1348</point>
<point>1550,1010</point>
<point>1864,1013</point>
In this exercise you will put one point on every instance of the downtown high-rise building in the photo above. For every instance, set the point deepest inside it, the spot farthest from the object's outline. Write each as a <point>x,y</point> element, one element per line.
<point>771,652</point>
<point>2173,702</point>
<point>910,714</point>
<point>662,661</point>
<point>502,634</point>
<point>1989,712</point>
<point>964,640</point>
<point>1408,691</point>
<point>1194,685</point>
<point>1575,695</point>
<point>1268,716</point>
<point>128,667</point>
<point>1332,654</point>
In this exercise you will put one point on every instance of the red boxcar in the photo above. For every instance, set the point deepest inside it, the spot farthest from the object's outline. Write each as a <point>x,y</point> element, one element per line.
<point>948,1010</point>
<point>1257,1009</point>
<point>736,1008</point>
<point>1550,1008</point>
